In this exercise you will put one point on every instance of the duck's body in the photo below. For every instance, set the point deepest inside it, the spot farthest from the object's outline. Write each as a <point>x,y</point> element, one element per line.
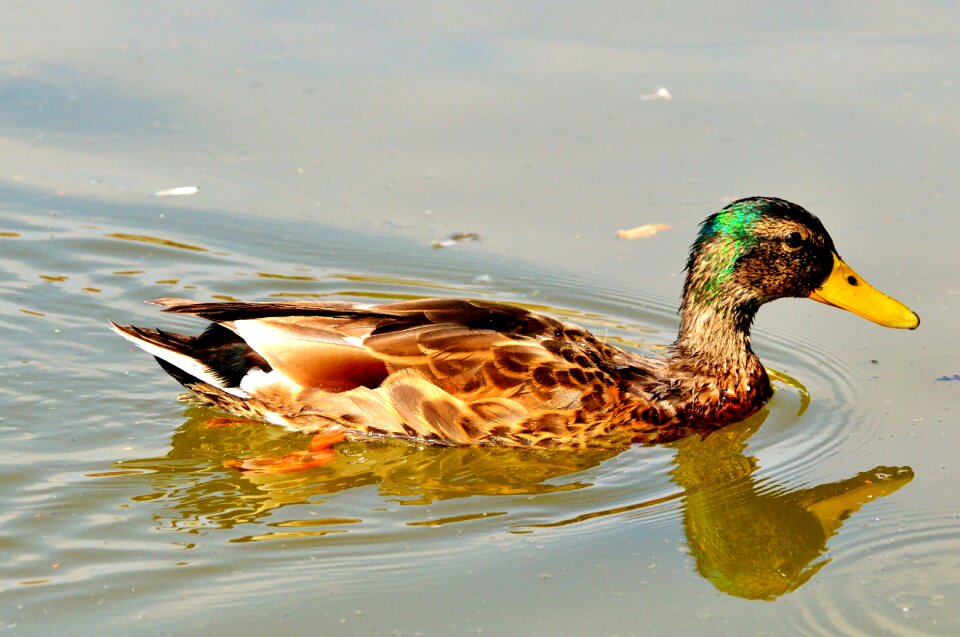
<point>443,370</point>
<point>456,371</point>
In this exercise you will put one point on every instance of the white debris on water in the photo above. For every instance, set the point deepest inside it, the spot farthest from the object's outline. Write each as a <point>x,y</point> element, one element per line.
<point>179,191</point>
<point>662,94</point>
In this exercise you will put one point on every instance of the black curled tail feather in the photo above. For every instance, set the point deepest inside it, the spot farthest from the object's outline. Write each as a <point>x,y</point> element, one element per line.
<point>217,356</point>
<point>227,354</point>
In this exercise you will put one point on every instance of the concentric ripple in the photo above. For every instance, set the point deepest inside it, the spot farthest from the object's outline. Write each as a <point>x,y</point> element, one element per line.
<point>888,562</point>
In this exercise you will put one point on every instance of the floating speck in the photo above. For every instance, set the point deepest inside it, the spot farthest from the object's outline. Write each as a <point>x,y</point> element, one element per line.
<point>641,232</point>
<point>179,191</point>
<point>457,238</point>
<point>661,94</point>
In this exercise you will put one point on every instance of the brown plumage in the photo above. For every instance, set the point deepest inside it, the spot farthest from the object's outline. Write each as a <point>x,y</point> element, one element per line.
<point>455,371</point>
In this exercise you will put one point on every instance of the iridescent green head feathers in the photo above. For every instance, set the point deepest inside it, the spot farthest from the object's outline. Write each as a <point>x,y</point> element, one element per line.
<point>755,250</point>
<point>724,237</point>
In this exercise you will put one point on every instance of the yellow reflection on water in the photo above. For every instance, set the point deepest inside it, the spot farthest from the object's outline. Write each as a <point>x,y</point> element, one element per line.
<point>285,277</point>
<point>201,492</point>
<point>777,376</point>
<point>751,537</point>
<point>287,535</point>
<point>142,238</point>
<point>456,519</point>
<point>390,281</point>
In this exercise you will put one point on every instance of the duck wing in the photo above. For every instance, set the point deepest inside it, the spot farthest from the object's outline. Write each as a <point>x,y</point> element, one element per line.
<point>448,370</point>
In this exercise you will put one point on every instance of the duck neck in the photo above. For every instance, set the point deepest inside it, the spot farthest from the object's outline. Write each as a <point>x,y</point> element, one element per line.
<point>716,336</point>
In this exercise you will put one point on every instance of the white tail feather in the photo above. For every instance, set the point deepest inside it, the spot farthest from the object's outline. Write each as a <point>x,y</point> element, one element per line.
<point>190,365</point>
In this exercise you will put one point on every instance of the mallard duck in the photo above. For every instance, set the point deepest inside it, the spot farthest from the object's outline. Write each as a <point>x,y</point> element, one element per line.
<point>472,372</point>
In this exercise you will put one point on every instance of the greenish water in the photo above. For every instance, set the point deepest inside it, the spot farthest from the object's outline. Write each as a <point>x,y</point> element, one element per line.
<point>332,147</point>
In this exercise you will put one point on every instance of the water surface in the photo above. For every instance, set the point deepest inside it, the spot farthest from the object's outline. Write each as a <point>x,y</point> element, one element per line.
<point>332,148</point>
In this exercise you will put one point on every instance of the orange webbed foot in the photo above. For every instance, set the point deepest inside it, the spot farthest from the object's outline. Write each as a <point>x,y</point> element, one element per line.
<point>321,452</point>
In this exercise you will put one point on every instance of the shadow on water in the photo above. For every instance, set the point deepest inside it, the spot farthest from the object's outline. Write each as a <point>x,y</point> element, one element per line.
<point>750,536</point>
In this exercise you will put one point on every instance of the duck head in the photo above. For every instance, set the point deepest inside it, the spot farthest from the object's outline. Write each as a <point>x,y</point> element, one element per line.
<point>759,249</point>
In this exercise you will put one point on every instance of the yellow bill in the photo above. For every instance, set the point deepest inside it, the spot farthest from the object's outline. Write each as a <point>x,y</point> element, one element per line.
<point>847,290</point>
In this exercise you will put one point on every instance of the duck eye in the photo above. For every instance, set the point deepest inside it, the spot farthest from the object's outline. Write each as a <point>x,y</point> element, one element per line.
<point>793,240</point>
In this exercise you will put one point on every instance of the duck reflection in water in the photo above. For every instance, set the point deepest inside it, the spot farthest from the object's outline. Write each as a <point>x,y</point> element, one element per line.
<point>756,538</point>
<point>751,537</point>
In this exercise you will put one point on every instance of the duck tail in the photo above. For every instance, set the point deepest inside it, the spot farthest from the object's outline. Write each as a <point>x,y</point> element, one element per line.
<point>217,358</point>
